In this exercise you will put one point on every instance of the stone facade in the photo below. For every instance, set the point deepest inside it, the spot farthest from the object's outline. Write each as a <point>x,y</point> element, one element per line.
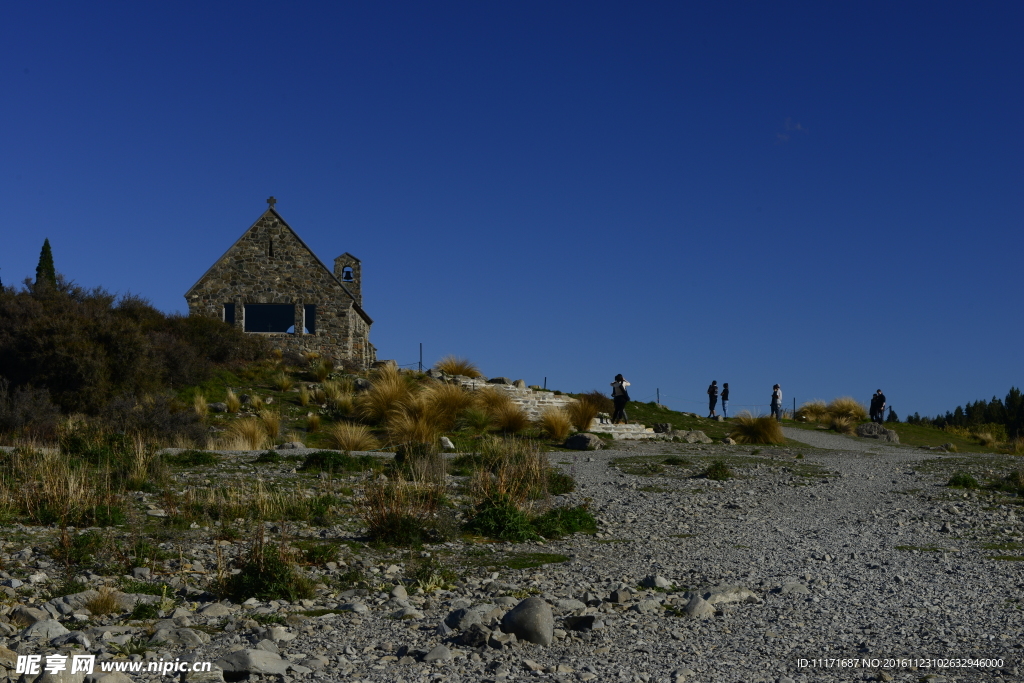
<point>269,282</point>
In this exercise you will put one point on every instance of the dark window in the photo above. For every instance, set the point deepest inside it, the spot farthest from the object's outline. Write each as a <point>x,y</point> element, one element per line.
<point>347,275</point>
<point>270,249</point>
<point>229,314</point>
<point>269,317</point>
<point>310,311</point>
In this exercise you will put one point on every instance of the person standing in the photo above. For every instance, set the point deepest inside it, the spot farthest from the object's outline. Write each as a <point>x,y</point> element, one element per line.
<point>725,400</point>
<point>620,397</point>
<point>712,398</point>
<point>777,402</point>
<point>879,400</point>
<point>873,408</point>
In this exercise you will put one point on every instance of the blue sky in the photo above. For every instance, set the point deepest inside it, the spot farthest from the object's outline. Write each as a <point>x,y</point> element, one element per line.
<point>826,195</point>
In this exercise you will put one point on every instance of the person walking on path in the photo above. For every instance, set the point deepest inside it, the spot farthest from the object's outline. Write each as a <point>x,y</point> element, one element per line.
<point>777,402</point>
<point>620,397</point>
<point>879,400</point>
<point>712,398</point>
<point>725,400</point>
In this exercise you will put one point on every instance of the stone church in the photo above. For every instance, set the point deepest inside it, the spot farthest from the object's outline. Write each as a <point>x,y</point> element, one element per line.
<point>269,282</point>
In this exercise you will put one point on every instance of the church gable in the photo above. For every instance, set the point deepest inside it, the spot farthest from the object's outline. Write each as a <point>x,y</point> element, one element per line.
<point>269,282</point>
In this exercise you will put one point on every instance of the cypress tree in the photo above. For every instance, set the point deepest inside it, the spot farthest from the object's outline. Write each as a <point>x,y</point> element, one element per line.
<point>45,271</point>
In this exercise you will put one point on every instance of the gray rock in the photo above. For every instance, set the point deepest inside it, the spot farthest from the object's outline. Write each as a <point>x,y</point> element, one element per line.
<point>873,430</point>
<point>44,628</point>
<point>357,607</point>
<point>655,581</point>
<point>499,380</point>
<point>519,384</point>
<point>215,609</point>
<point>728,441</point>
<point>253,662</point>
<point>73,638</point>
<point>446,445</point>
<point>29,615</point>
<point>64,676</point>
<point>584,442</point>
<point>698,608</point>
<point>475,636</point>
<point>218,407</point>
<point>141,573</point>
<point>212,676</point>
<point>662,427</point>
<point>12,583</point>
<point>180,636</point>
<point>531,620</point>
<point>399,592</point>
<point>438,654</point>
<point>647,607</point>
<point>567,605</point>
<point>694,436</point>
<point>586,622</point>
<point>118,677</point>
<point>499,640</point>
<point>730,594</point>
<point>620,596</point>
<point>794,588</point>
<point>486,614</point>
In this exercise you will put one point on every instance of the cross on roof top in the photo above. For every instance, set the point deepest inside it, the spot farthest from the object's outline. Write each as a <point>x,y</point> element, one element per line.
<point>271,201</point>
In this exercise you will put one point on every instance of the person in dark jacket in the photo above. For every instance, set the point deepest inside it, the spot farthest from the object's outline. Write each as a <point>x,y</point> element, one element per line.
<point>879,400</point>
<point>620,397</point>
<point>873,408</point>
<point>712,398</point>
<point>725,400</point>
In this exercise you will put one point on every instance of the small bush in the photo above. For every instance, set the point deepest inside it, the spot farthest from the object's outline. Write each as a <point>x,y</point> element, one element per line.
<point>554,423</point>
<point>559,522</point>
<point>320,553</point>
<point>267,574</point>
<point>80,549</point>
<point>560,483</point>
<point>268,458</point>
<point>848,407</point>
<point>68,587</point>
<point>500,518</point>
<point>675,461</point>
<point>403,514</point>
<point>718,471</point>
<point>192,458</point>
<point>329,461</point>
<point>347,436</point>
<point>962,480</point>
<point>143,610</point>
<point>454,365</point>
<point>749,429</point>
<point>582,413</point>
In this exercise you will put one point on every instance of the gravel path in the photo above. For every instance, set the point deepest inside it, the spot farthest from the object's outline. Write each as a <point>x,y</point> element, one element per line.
<point>835,442</point>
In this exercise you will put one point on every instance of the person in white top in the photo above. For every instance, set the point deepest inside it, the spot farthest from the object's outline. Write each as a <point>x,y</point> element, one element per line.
<point>777,402</point>
<point>620,397</point>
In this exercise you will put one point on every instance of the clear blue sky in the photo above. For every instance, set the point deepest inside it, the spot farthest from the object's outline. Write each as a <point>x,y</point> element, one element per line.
<point>827,195</point>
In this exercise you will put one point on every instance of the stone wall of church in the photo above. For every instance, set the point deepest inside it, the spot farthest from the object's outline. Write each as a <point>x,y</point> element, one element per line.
<point>270,265</point>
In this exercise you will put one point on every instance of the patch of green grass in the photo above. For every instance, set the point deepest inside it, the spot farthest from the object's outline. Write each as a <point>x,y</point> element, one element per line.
<point>560,483</point>
<point>67,587</point>
<point>192,458</point>
<point>565,521</point>
<point>921,435</point>
<point>718,471</point>
<point>1009,545</point>
<point>267,458</point>
<point>316,552</point>
<point>654,489</point>
<point>613,540</point>
<point>143,611</point>
<point>267,575</point>
<point>924,548</point>
<point>500,518</point>
<point>682,535</point>
<point>962,480</point>
<point>1008,558</point>
<point>266,619</point>
<point>676,461</point>
<point>531,560</point>
<point>650,413</point>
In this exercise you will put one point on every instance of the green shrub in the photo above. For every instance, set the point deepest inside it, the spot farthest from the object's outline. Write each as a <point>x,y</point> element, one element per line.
<point>500,518</point>
<point>718,471</point>
<point>143,610</point>
<point>320,553</point>
<point>268,575</point>
<point>268,458</point>
<point>192,458</point>
<point>103,515</point>
<point>80,549</point>
<point>962,480</point>
<point>330,461</point>
<point>560,483</point>
<point>68,587</point>
<point>559,522</point>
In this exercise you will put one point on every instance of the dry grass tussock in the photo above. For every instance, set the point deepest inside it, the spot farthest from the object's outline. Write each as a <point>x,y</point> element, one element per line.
<point>512,469</point>
<point>555,424</point>
<point>491,399</point>
<point>321,369</point>
<point>388,391</point>
<point>454,365</point>
<point>282,382</point>
<point>49,487</point>
<point>200,405</point>
<point>763,429</point>
<point>1017,446</point>
<point>845,406</point>
<point>232,401</point>
<point>985,439</point>
<point>403,513</point>
<point>253,502</point>
<point>413,422</point>
<point>843,424</point>
<point>313,422</point>
<point>245,434</point>
<point>582,413</point>
<point>511,419</point>
<point>813,411</point>
<point>303,395</point>
<point>447,403</point>
<point>347,436</point>
<point>105,602</point>
<point>271,420</point>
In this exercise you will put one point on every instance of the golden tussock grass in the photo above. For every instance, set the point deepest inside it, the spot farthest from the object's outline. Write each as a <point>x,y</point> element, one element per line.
<point>303,395</point>
<point>454,365</point>
<point>581,414</point>
<point>271,420</point>
<point>510,419</point>
<point>446,403</point>
<point>512,469</point>
<point>413,422</point>
<point>282,382</point>
<point>347,436</point>
<point>985,439</point>
<point>843,424</point>
<point>845,406</point>
<point>245,434</point>
<point>749,429</point>
<point>491,399</point>
<point>313,422</point>
<point>400,512</point>
<point>555,424</point>
<point>321,369</point>
<point>388,391</point>
<point>105,602</point>
<point>813,411</point>
<point>200,406</point>
<point>232,401</point>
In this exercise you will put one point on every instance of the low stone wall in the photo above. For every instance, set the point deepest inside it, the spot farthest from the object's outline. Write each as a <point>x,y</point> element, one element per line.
<point>534,402</point>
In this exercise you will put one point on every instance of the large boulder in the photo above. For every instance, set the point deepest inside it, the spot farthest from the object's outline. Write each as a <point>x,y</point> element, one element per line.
<point>486,614</point>
<point>873,430</point>
<point>584,442</point>
<point>532,621</point>
<point>46,629</point>
<point>693,436</point>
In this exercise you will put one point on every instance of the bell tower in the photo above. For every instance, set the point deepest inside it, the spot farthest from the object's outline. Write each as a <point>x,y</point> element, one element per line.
<point>348,270</point>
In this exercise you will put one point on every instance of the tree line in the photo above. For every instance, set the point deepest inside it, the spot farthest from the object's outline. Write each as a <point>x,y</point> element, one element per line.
<point>1007,412</point>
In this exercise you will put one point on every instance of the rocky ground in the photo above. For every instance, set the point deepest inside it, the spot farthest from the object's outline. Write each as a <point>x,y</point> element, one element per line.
<point>845,551</point>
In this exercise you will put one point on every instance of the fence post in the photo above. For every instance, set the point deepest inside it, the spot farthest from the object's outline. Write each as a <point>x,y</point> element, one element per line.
<point>421,357</point>
<point>658,393</point>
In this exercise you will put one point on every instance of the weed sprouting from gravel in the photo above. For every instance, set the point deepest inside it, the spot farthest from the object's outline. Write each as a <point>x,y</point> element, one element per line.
<point>962,480</point>
<point>718,471</point>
